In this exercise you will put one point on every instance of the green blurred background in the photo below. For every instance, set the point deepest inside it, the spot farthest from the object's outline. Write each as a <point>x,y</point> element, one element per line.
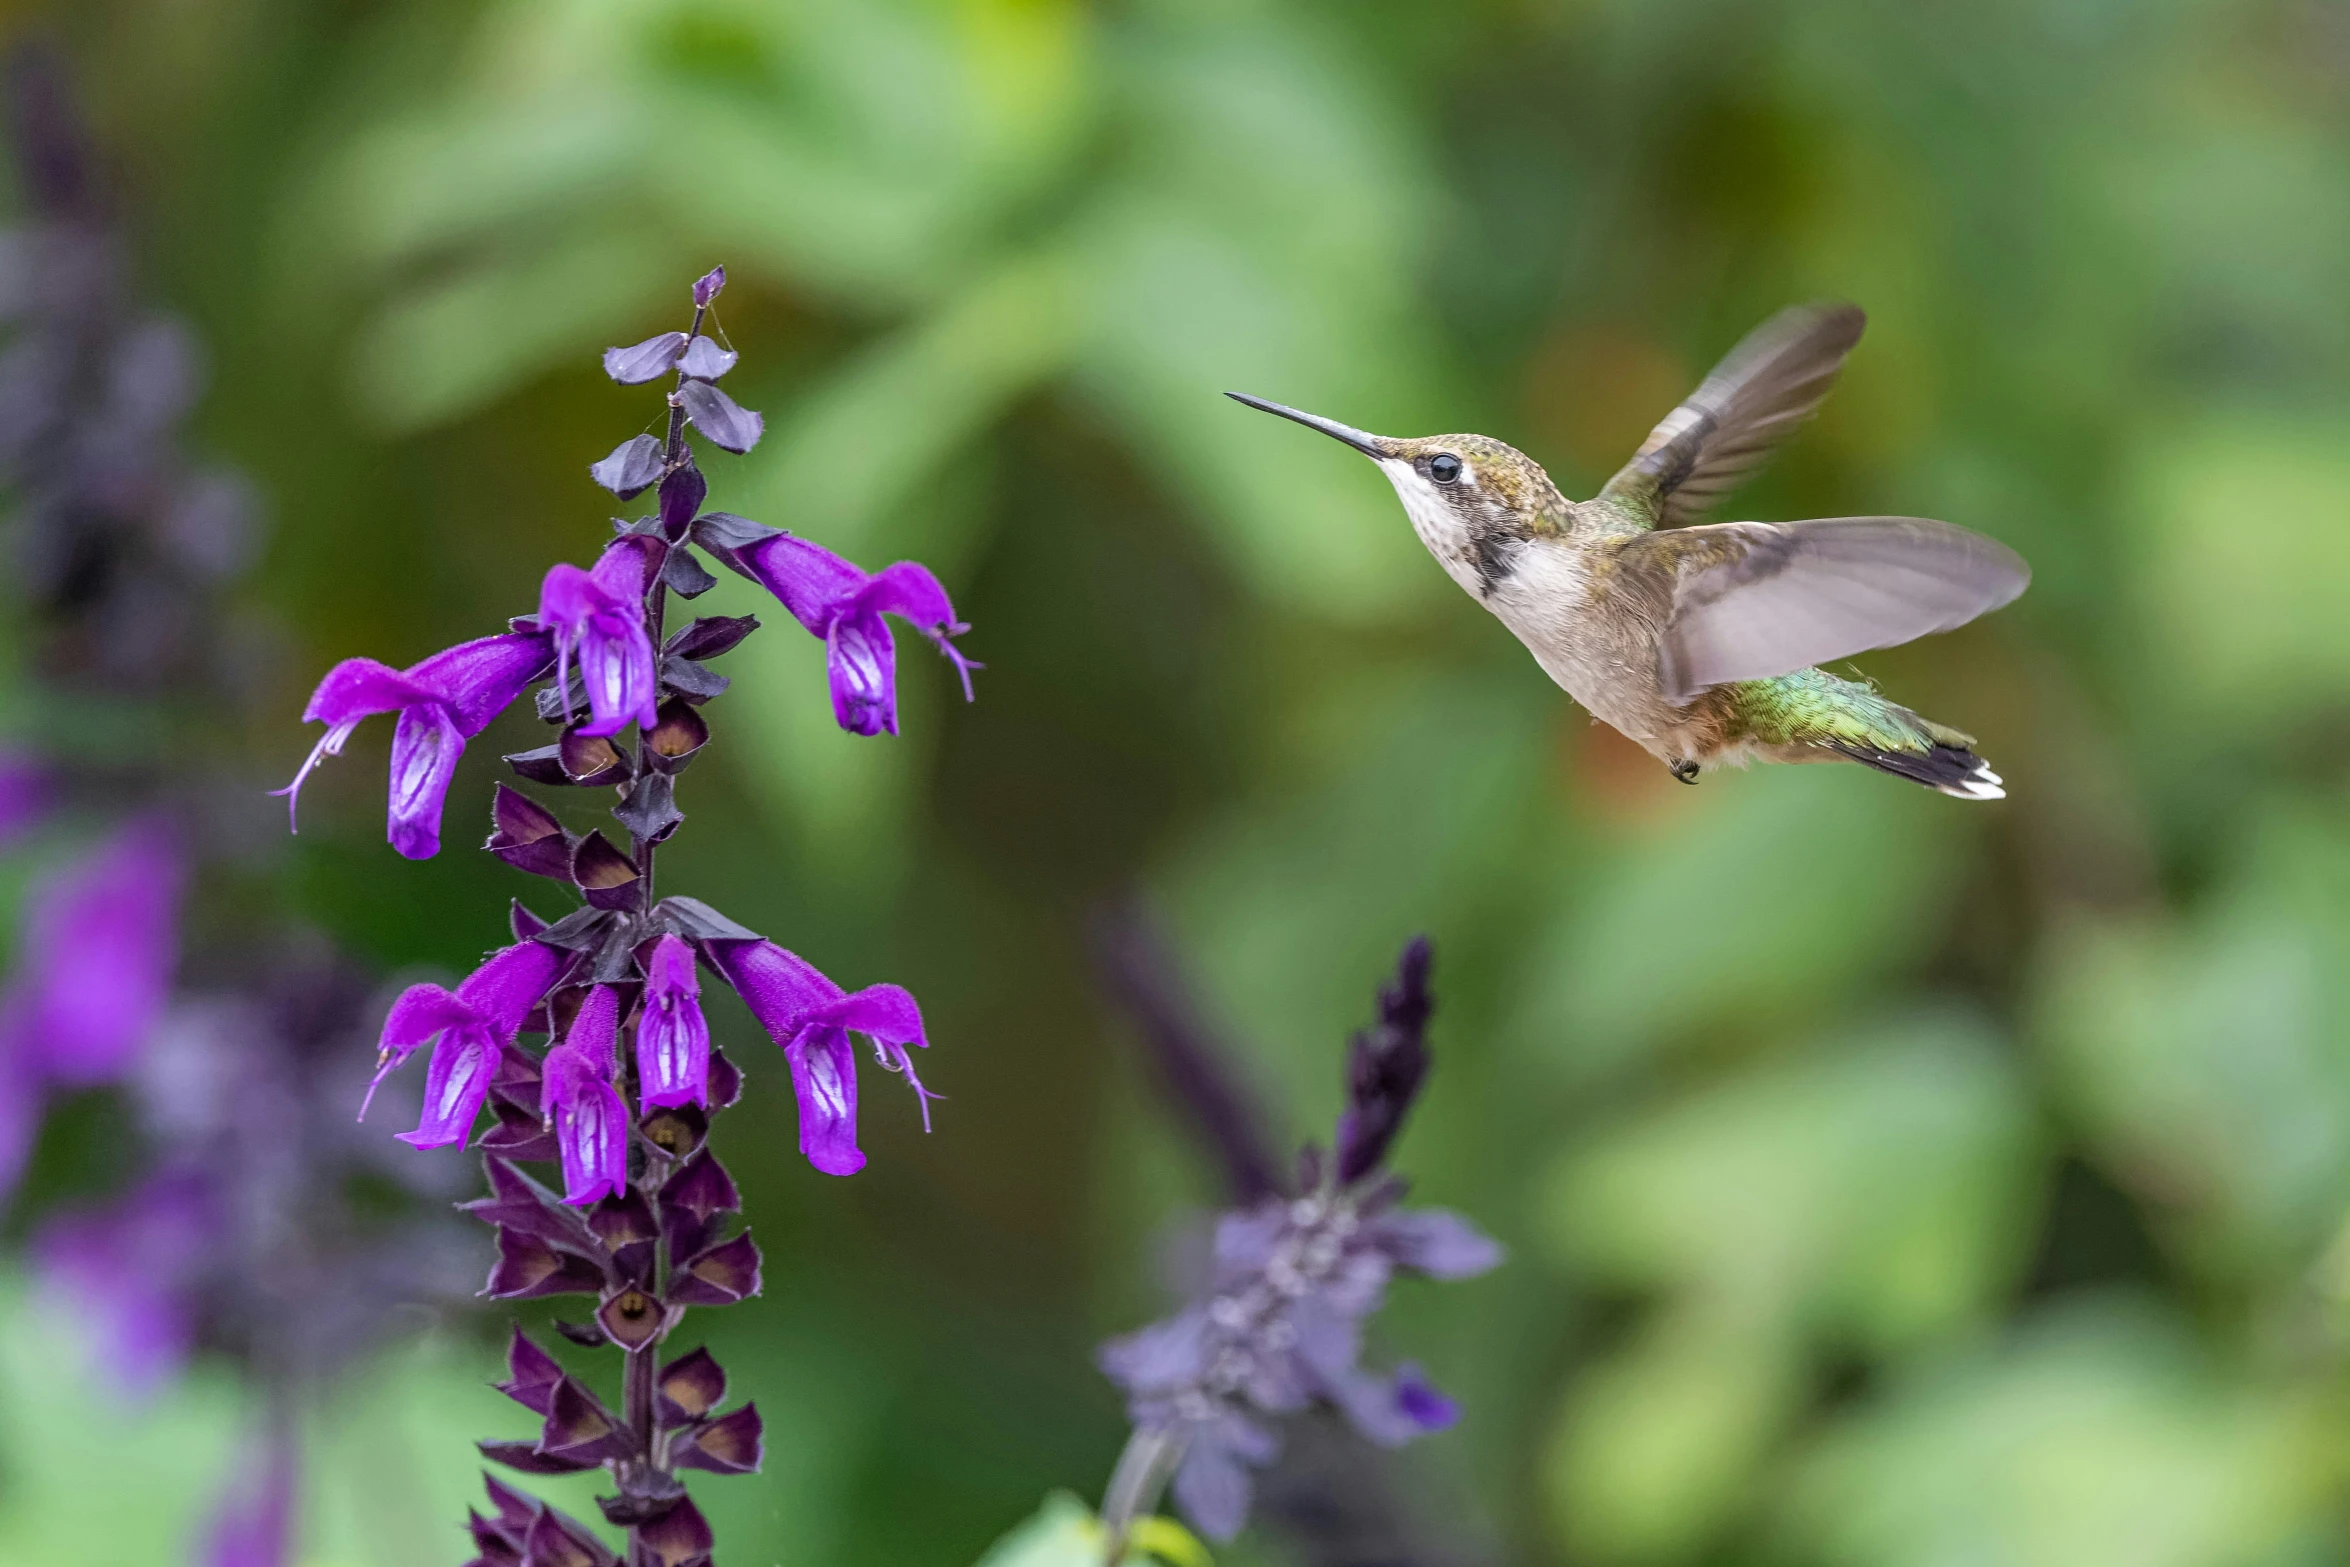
<point>1887,1180</point>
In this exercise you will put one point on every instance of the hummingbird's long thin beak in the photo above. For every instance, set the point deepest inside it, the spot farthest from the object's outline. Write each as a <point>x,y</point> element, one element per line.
<point>1363,441</point>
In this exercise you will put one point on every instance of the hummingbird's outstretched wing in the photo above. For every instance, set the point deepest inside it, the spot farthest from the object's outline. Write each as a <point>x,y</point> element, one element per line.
<point>1761,391</point>
<point>1756,599</point>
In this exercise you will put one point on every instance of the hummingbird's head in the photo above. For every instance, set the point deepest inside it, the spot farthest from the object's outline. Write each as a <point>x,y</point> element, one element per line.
<point>1472,499</point>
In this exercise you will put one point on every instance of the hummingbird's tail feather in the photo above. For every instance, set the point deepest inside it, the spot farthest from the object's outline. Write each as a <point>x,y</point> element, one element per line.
<point>1812,715</point>
<point>1952,769</point>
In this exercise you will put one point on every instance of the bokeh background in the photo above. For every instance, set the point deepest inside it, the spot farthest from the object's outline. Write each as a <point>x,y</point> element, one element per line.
<point>1887,1180</point>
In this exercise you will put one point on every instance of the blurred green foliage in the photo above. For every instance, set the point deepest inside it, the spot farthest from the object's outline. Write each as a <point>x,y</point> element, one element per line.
<point>1888,1181</point>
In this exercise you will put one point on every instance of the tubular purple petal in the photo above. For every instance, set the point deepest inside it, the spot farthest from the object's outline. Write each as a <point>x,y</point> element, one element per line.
<point>706,287</point>
<point>425,748</point>
<point>455,1084</point>
<point>597,617</point>
<point>360,688</point>
<point>421,1012</point>
<point>95,961</point>
<point>595,1030</point>
<point>510,982</point>
<point>480,679</point>
<point>672,1037</point>
<point>591,1124</point>
<point>909,590</point>
<point>810,581</point>
<point>862,662</point>
<point>824,1079</point>
<point>779,987</point>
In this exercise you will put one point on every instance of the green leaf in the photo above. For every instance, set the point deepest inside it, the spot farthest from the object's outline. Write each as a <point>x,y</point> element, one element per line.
<point>2096,1437</point>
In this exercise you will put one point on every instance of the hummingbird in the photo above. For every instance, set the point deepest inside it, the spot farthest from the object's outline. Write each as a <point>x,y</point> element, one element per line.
<point>1697,640</point>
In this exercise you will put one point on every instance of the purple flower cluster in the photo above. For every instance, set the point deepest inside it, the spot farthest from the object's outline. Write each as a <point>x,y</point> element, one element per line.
<point>621,1094</point>
<point>592,630</point>
<point>216,1237</point>
<point>1296,1277</point>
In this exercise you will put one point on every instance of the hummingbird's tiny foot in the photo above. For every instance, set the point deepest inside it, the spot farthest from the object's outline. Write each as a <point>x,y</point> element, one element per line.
<point>1685,771</point>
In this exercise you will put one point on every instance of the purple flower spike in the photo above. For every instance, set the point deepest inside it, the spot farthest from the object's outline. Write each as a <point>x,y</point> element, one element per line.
<point>591,1122</point>
<point>442,702</point>
<point>95,962</point>
<point>672,1039</point>
<point>598,616</point>
<point>706,287</point>
<point>472,1026</point>
<point>812,1018</point>
<point>843,605</point>
<point>254,1526</point>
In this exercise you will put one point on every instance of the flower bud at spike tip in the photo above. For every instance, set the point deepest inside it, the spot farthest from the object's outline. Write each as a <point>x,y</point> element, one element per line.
<point>706,286</point>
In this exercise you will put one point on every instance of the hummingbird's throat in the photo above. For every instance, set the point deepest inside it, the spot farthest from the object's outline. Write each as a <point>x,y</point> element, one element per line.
<point>1436,519</point>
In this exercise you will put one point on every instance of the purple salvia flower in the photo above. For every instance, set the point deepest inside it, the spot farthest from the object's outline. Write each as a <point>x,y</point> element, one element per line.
<point>812,1018</point>
<point>121,1270</point>
<point>442,702</point>
<point>598,617</point>
<point>471,1026</point>
<point>95,961</point>
<point>253,1526</point>
<point>672,1038</point>
<point>844,605</point>
<point>706,287</point>
<point>590,1121</point>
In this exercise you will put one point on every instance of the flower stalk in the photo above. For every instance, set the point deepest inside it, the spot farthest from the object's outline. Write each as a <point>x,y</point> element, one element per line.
<point>622,1095</point>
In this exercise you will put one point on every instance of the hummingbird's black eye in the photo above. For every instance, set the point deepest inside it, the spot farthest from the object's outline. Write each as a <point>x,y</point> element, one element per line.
<point>1444,467</point>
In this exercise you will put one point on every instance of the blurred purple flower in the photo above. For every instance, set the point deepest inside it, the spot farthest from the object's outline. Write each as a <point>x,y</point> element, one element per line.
<point>844,605</point>
<point>442,702</point>
<point>471,1027</point>
<point>1294,1281</point>
<point>95,960</point>
<point>26,792</point>
<point>577,1096</point>
<point>707,286</point>
<point>672,1037</point>
<point>598,616</point>
<point>1282,1327</point>
<point>253,1525</point>
<point>121,1270</point>
<point>812,1018</point>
